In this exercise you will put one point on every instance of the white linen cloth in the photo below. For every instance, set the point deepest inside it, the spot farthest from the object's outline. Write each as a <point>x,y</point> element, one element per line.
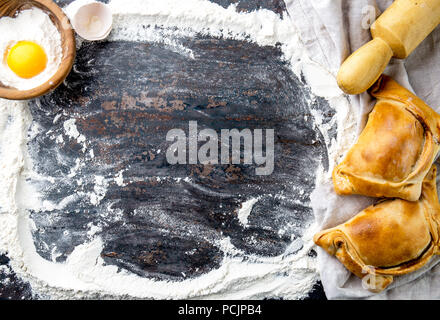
<point>331,30</point>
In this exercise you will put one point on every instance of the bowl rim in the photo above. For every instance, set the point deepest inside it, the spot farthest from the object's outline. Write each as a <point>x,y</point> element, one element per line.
<point>69,52</point>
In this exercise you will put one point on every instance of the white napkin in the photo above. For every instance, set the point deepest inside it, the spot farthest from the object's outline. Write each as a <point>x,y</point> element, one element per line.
<point>331,30</point>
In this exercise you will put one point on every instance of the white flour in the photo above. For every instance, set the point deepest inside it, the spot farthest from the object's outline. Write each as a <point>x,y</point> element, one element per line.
<point>30,25</point>
<point>245,211</point>
<point>290,275</point>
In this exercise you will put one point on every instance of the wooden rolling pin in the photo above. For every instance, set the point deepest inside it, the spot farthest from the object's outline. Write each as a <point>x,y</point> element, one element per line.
<point>396,33</point>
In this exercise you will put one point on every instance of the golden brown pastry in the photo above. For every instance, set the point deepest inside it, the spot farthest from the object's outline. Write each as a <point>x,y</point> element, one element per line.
<point>396,148</point>
<point>390,238</point>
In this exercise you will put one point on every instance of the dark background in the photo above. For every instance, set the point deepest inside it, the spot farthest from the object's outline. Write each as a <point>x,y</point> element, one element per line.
<point>147,90</point>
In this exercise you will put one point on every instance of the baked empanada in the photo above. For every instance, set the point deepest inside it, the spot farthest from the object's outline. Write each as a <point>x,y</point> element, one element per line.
<point>390,238</point>
<point>396,148</point>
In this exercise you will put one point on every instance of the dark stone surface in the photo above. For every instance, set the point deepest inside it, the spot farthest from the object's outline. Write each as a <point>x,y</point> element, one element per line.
<point>317,292</point>
<point>11,287</point>
<point>125,117</point>
<point>160,224</point>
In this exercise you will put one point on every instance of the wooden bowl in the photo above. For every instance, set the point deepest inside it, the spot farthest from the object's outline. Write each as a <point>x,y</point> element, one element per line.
<point>11,8</point>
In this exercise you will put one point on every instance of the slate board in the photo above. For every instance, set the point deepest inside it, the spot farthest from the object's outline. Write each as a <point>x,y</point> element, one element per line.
<point>124,106</point>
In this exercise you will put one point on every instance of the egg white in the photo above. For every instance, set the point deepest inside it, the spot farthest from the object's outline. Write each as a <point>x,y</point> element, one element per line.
<point>29,25</point>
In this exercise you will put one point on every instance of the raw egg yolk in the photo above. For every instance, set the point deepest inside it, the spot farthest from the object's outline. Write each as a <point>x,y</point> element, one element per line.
<point>26,59</point>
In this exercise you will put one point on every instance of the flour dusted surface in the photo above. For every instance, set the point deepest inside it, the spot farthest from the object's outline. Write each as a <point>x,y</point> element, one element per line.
<point>84,270</point>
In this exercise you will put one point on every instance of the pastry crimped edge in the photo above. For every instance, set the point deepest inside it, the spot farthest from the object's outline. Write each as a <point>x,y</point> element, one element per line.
<point>346,183</point>
<point>338,244</point>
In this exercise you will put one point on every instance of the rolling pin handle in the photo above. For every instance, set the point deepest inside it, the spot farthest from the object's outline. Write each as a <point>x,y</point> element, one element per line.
<point>364,66</point>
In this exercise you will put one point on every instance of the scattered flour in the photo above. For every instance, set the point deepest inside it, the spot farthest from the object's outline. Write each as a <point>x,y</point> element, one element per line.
<point>72,131</point>
<point>245,211</point>
<point>84,274</point>
<point>119,179</point>
<point>99,190</point>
